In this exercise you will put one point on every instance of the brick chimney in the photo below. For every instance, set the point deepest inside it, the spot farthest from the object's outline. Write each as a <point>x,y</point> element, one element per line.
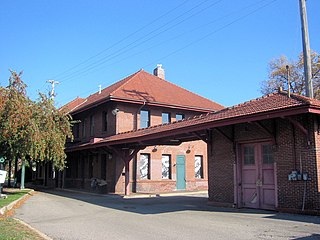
<point>159,71</point>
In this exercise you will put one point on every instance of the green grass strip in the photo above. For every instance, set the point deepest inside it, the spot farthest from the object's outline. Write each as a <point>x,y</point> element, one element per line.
<point>12,196</point>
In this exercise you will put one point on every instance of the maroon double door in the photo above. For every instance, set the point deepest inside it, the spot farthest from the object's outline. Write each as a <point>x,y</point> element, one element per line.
<point>257,176</point>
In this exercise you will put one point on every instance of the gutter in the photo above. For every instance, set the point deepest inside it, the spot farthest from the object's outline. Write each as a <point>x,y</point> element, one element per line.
<point>158,104</point>
<point>203,125</point>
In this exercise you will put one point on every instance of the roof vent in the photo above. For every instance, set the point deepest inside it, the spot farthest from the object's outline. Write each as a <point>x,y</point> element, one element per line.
<point>100,89</point>
<point>159,71</point>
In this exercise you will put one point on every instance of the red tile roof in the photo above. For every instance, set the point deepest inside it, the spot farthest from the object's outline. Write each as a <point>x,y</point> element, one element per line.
<point>70,106</point>
<point>265,106</point>
<point>145,87</point>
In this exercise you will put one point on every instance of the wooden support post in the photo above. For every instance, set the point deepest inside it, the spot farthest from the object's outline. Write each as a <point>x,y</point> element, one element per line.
<point>126,157</point>
<point>127,178</point>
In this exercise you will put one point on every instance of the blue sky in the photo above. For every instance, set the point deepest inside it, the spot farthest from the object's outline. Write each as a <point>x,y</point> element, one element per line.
<point>219,49</point>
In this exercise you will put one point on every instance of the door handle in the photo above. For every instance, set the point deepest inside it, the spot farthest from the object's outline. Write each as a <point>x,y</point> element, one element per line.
<point>259,183</point>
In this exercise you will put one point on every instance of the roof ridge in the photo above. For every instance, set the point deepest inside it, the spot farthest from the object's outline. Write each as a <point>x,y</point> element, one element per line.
<point>128,79</point>
<point>186,90</point>
<point>243,103</point>
<point>72,101</point>
<point>299,97</point>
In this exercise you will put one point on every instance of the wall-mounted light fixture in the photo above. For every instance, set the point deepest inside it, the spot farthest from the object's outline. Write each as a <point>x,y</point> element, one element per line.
<point>154,148</point>
<point>115,111</point>
<point>189,149</point>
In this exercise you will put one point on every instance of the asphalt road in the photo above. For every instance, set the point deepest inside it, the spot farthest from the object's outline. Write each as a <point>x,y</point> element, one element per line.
<point>65,215</point>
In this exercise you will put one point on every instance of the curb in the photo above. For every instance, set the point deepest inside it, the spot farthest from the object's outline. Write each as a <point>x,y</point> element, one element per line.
<point>89,193</point>
<point>33,229</point>
<point>134,195</point>
<point>170,194</point>
<point>10,206</point>
<point>4,209</point>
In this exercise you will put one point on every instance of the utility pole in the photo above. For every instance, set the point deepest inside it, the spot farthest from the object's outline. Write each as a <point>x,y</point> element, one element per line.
<point>288,79</point>
<point>306,49</point>
<point>52,93</point>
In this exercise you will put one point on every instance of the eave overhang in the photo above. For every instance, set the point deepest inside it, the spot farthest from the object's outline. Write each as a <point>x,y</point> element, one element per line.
<point>162,136</point>
<point>142,102</point>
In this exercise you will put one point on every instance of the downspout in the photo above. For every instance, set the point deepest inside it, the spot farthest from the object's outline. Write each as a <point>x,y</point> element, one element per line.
<point>134,167</point>
<point>139,109</point>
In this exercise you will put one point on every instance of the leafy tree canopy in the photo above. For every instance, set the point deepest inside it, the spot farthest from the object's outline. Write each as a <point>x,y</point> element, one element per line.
<point>33,130</point>
<point>278,75</point>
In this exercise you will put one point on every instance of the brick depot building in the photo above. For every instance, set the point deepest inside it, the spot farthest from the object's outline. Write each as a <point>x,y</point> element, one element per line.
<point>141,100</point>
<point>262,154</point>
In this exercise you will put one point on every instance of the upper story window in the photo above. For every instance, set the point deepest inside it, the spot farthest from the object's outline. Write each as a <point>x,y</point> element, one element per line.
<point>91,125</point>
<point>166,118</point>
<point>179,116</point>
<point>144,118</point>
<point>75,130</point>
<point>84,123</point>
<point>105,121</point>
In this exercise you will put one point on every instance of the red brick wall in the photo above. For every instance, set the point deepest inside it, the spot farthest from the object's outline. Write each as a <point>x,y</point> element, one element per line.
<point>292,152</point>
<point>156,184</point>
<point>128,119</point>
<point>220,168</point>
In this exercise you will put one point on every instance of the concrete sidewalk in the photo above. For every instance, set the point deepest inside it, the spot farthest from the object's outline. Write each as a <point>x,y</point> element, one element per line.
<point>71,215</point>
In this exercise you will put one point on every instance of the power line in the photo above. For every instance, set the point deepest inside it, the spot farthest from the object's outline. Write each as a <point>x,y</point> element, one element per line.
<point>215,31</point>
<point>122,40</point>
<point>211,33</point>
<point>92,69</point>
<point>119,52</point>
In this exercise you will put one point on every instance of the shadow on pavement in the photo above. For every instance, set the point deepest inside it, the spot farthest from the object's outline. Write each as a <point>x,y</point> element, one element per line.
<point>167,204</point>
<point>311,237</point>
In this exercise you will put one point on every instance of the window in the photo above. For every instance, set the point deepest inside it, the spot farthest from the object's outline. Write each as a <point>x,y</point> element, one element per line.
<point>166,118</point>
<point>166,166</point>
<point>75,130</point>
<point>105,121</point>
<point>91,125</point>
<point>84,123</point>
<point>267,154</point>
<point>144,119</point>
<point>144,166</point>
<point>198,166</point>
<point>179,116</point>
<point>249,155</point>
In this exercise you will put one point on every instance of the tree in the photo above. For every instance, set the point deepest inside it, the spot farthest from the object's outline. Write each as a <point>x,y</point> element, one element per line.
<point>278,75</point>
<point>16,126</point>
<point>34,131</point>
<point>54,128</point>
